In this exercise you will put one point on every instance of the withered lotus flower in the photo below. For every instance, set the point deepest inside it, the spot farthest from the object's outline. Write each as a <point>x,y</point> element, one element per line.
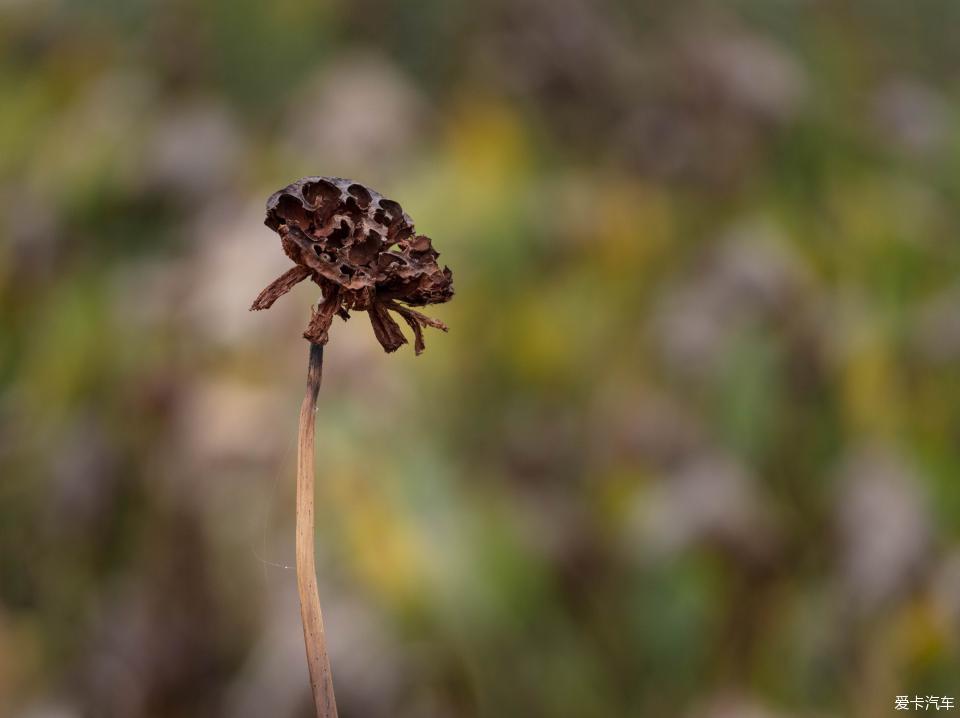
<point>361,249</point>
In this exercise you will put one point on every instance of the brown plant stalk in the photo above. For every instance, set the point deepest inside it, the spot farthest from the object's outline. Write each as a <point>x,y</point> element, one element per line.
<point>361,250</point>
<point>318,661</point>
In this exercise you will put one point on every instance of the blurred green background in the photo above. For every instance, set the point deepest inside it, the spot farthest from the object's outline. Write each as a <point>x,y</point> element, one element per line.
<point>689,449</point>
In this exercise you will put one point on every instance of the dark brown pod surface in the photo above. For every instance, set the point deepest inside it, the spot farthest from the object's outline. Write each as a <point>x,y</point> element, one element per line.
<point>361,248</point>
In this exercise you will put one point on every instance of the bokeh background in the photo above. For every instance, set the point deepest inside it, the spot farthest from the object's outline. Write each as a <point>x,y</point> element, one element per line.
<point>690,447</point>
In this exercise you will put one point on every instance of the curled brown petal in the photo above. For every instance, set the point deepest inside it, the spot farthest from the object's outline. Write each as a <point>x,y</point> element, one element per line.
<point>421,318</point>
<point>385,328</point>
<point>417,322</point>
<point>418,345</point>
<point>319,327</point>
<point>279,286</point>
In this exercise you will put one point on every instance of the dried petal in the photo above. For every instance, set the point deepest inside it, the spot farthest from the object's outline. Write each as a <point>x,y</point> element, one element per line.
<point>416,316</point>
<point>279,286</point>
<point>385,328</point>
<point>323,317</point>
<point>418,345</point>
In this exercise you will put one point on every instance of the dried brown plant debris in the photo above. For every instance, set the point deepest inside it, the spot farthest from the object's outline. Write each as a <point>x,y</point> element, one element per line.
<point>361,249</point>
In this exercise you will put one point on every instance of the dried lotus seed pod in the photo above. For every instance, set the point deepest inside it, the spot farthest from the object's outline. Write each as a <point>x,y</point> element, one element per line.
<point>361,248</point>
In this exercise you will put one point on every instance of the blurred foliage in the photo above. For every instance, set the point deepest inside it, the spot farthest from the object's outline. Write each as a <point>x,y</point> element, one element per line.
<point>690,447</point>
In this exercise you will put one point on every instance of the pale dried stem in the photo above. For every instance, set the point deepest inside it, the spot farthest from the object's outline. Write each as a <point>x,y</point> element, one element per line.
<point>318,662</point>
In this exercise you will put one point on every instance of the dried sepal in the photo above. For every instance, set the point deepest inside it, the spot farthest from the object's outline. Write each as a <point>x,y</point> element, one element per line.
<point>347,236</point>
